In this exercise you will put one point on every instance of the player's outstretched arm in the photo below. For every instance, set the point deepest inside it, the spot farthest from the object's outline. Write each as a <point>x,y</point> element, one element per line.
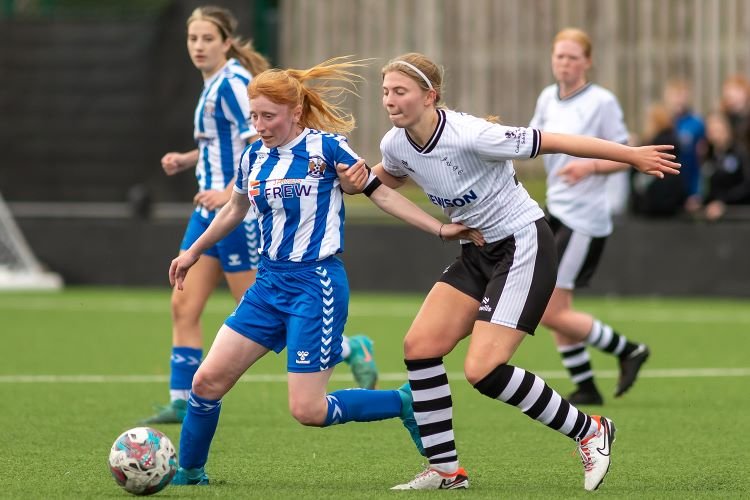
<point>228,218</point>
<point>652,160</point>
<point>396,205</point>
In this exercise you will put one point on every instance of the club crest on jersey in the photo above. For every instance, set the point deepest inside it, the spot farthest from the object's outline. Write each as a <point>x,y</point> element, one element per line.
<point>316,167</point>
<point>209,108</point>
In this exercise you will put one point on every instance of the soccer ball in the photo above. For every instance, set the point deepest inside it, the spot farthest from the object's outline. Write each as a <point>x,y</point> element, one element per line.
<point>142,461</point>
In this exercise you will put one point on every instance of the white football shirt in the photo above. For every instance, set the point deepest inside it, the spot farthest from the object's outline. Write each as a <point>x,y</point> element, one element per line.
<point>592,111</point>
<point>466,169</point>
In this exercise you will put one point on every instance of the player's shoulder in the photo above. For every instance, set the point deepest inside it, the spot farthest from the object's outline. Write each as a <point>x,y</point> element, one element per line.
<point>253,148</point>
<point>327,137</point>
<point>548,93</point>
<point>602,94</point>
<point>465,124</point>
<point>234,71</point>
<point>391,136</point>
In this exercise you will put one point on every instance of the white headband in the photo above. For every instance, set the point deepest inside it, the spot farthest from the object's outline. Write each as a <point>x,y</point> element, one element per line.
<point>417,71</point>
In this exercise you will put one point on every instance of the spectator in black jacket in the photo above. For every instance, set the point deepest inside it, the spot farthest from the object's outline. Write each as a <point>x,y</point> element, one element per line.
<point>726,168</point>
<point>651,196</point>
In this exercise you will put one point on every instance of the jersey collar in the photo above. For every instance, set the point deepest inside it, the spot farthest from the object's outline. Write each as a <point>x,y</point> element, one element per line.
<point>434,138</point>
<point>574,94</point>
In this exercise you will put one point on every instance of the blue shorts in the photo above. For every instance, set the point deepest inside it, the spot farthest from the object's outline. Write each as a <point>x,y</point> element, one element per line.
<point>238,251</point>
<point>300,306</point>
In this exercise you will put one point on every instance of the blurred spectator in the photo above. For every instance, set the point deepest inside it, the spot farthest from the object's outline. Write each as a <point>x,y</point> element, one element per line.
<point>735,104</point>
<point>691,137</point>
<point>650,195</point>
<point>726,168</point>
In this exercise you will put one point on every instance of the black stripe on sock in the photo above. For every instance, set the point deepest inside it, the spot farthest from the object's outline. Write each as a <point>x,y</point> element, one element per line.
<point>560,416</point>
<point>541,403</point>
<point>419,364</point>
<point>493,384</point>
<point>436,427</point>
<point>523,389</point>
<point>432,404</point>
<point>613,343</point>
<point>429,383</point>
<point>578,427</point>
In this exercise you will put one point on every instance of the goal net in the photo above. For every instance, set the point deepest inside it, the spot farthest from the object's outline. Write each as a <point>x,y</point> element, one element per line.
<point>19,269</point>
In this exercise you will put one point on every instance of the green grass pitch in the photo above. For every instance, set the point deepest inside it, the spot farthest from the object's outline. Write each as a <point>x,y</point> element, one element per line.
<point>81,366</point>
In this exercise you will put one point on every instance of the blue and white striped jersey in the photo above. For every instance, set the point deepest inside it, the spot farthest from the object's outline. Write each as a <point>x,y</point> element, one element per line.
<point>222,126</point>
<point>296,195</point>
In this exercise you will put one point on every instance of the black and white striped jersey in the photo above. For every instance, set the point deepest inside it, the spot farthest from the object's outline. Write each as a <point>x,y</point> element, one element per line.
<point>466,169</point>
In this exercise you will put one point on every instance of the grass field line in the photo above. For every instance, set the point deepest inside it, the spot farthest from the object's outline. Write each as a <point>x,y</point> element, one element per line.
<point>345,377</point>
<point>664,315</point>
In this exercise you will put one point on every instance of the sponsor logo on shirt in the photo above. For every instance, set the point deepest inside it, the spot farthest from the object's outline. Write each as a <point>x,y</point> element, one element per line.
<point>519,135</point>
<point>405,164</point>
<point>461,201</point>
<point>449,163</point>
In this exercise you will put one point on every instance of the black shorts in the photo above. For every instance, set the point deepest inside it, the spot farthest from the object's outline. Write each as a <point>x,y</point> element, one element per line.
<point>512,279</point>
<point>578,255</point>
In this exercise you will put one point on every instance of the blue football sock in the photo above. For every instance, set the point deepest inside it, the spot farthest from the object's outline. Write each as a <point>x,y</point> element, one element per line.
<point>361,405</point>
<point>184,363</point>
<point>198,430</point>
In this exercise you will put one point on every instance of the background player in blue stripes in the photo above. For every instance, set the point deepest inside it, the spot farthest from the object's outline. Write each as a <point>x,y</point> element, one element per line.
<point>300,299</point>
<point>496,292</point>
<point>222,130</point>
<point>579,214</point>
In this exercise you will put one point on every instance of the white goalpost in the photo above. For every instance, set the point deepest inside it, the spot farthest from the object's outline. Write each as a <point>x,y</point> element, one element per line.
<point>19,269</point>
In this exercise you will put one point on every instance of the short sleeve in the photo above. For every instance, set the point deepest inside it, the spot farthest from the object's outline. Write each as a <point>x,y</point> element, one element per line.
<point>612,123</point>
<point>537,121</point>
<point>243,170</point>
<point>236,104</point>
<point>389,162</point>
<point>342,152</point>
<point>499,142</point>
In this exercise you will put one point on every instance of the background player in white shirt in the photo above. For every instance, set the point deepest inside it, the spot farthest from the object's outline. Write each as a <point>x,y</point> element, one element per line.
<point>579,213</point>
<point>299,301</point>
<point>497,292</point>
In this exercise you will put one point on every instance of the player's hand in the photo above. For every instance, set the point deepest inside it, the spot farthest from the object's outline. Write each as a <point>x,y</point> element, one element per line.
<point>576,170</point>
<point>353,178</point>
<point>179,267</point>
<point>212,199</point>
<point>715,210</point>
<point>172,163</point>
<point>656,160</point>
<point>450,232</point>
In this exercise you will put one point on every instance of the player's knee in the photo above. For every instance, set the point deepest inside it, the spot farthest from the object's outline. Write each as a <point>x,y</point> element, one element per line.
<point>307,414</point>
<point>207,386</point>
<point>420,346</point>
<point>552,319</point>
<point>183,311</point>
<point>476,368</point>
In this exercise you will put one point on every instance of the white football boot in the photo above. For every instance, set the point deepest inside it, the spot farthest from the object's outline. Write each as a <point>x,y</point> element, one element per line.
<point>431,479</point>
<point>595,452</point>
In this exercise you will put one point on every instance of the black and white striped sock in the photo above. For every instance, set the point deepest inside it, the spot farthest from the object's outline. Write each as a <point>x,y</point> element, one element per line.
<point>433,411</point>
<point>576,359</point>
<point>604,338</point>
<point>536,399</point>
